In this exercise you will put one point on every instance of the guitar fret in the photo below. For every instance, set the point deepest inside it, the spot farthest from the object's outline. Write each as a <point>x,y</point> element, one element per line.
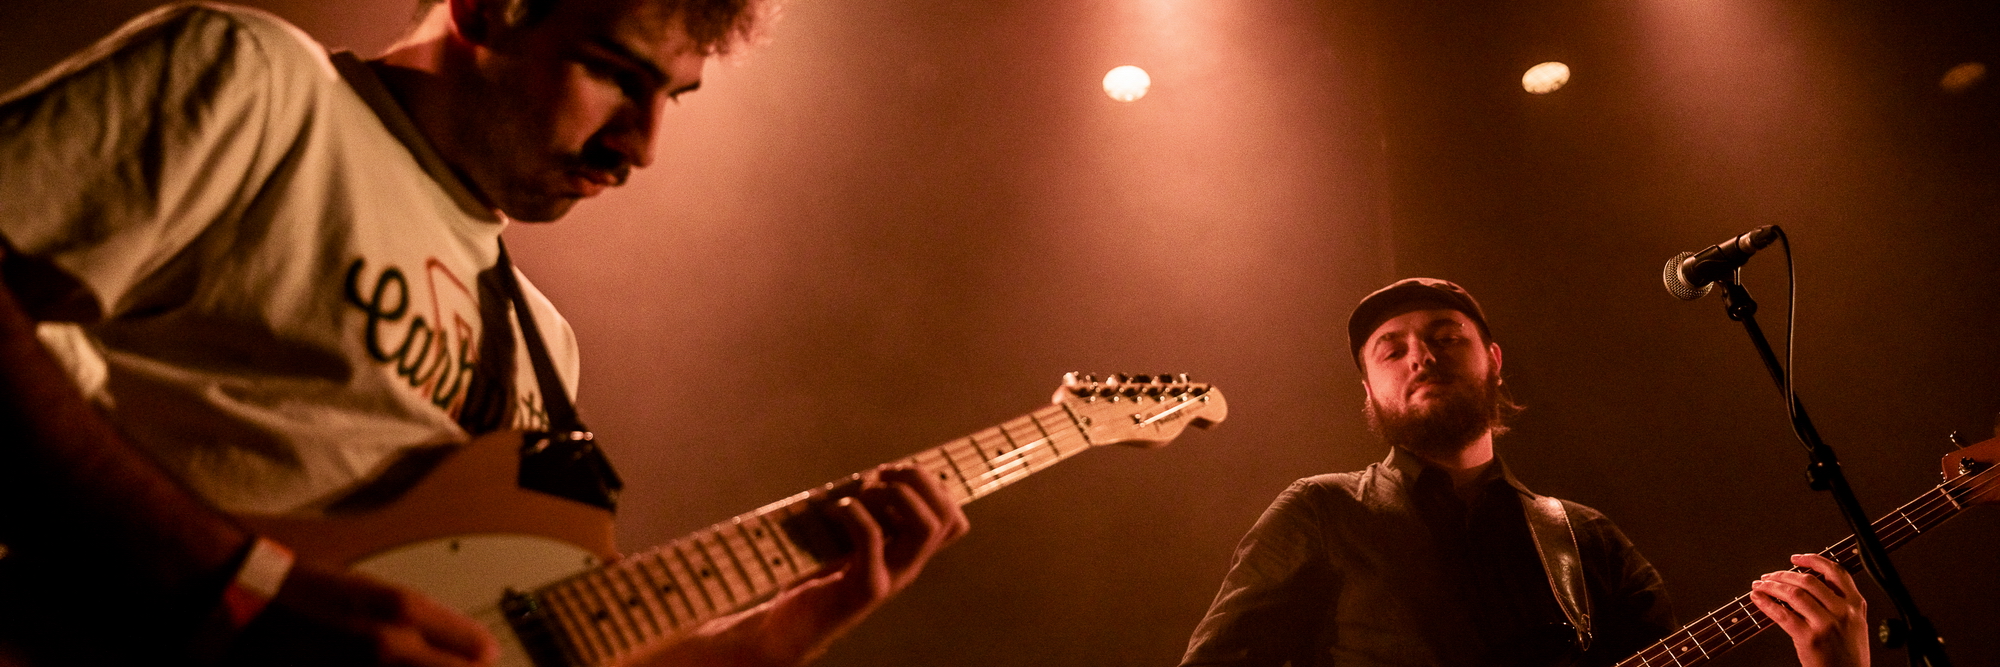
<point>755,580</point>
<point>563,624</point>
<point>945,472</point>
<point>661,595</point>
<point>720,574</point>
<point>1077,422</point>
<point>793,559</point>
<point>1751,613</point>
<point>973,442</point>
<point>1036,443</point>
<point>1019,452</point>
<point>635,596</point>
<point>695,582</point>
<point>764,562</point>
<point>597,616</point>
<point>1037,447</point>
<point>1036,419</point>
<point>963,456</point>
<point>620,609</point>
<point>1719,628</point>
<point>996,455</point>
<point>1013,446</point>
<point>605,613</point>
<point>678,579</point>
<point>1013,467</point>
<point>1906,523</point>
<point>589,636</point>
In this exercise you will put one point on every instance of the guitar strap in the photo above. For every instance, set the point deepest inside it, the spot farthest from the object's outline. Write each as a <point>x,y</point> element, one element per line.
<point>565,460</point>
<point>1555,542</point>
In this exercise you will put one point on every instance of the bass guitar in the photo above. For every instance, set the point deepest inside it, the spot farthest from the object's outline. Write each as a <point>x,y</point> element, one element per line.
<point>1969,479</point>
<point>542,574</point>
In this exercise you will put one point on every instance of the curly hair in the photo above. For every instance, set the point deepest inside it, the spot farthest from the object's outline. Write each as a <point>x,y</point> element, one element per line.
<point>716,26</point>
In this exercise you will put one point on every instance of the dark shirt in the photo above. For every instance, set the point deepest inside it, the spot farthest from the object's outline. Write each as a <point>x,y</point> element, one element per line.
<point>1387,566</point>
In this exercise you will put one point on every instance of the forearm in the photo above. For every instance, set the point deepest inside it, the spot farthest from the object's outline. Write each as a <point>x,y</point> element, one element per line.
<point>78,488</point>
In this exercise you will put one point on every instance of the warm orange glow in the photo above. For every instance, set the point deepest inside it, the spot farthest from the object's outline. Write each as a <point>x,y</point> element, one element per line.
<point>1126,83</point>
<point>1963,77</point>
<point>1545,78</point>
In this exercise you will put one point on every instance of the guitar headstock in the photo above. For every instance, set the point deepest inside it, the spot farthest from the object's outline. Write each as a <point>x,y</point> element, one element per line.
<point>1974,463</point>
<point>1141,410</point>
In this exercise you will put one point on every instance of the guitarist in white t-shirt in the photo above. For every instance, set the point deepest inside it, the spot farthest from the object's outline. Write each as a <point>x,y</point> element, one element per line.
<point>226,217</point>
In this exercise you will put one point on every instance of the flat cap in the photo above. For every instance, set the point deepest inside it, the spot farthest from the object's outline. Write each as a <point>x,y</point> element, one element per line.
<point>1383,304</point>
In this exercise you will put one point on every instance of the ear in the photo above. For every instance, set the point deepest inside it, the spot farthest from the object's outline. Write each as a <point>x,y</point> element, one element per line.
<point>1494,350</point>
<point>1367,391</point>
<point>478,21</point>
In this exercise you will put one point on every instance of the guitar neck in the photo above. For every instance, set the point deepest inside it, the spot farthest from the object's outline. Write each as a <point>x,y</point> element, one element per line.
<point>600,615</point>
<point>1736,622</point>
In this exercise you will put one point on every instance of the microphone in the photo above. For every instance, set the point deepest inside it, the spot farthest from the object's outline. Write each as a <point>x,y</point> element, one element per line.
<point>1691,275</point>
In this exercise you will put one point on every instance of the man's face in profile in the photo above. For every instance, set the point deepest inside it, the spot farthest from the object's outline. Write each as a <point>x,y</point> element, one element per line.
<point>570,103</point>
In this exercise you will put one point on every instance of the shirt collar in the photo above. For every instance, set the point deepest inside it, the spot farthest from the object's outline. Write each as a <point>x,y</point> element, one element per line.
<point>365,83</point>
<point>1410,466</point>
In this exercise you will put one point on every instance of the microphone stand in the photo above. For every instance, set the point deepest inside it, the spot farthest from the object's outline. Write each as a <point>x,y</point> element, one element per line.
<point>1823,474</point>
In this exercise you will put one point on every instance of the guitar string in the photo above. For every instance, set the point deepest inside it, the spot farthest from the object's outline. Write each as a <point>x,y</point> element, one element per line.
<point>1926,504</point>
<point>737,546</point>
<point>634,595</point>
<point>594,594</point>
<point>612,607</point>
<point>580,633</point>
<point>1942,498</point>
<point>1897,532</point>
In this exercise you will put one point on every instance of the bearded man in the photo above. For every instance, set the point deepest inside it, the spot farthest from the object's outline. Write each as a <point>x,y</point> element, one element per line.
<point>1437,555</point>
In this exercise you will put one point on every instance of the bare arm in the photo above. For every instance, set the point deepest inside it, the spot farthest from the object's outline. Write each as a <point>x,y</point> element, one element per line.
<point>91,493</point>
<point>99,527</point>
<point>1826,616</point>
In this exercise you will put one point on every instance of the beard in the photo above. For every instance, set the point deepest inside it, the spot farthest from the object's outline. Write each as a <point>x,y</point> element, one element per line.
<point>1458,415</point>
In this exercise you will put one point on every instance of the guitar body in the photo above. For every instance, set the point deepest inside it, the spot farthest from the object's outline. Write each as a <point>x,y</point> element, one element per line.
<point>464,535</point>
<point>542,572</point>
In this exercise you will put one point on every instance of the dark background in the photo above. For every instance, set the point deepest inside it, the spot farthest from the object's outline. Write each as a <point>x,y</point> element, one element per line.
<point>901,221</point>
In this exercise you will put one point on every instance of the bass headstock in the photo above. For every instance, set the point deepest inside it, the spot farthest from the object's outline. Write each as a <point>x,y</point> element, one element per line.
<point>1140,410</point>
<point>1972,470</point>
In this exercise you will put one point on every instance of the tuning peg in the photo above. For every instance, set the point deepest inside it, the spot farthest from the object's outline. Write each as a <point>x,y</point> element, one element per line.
<point>1958,440</point>
<point>1182,378</point>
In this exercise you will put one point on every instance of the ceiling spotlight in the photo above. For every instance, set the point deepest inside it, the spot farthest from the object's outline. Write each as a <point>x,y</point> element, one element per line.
<point>1963,77</point>
<point>1545,78</point>
<point>1126,83</point>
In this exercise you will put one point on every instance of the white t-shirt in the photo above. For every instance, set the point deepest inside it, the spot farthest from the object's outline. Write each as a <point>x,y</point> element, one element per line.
<point>279,273</point>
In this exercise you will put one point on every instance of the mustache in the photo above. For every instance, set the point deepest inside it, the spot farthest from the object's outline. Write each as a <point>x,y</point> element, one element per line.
<point>1434,376</point>
<point>597,158</point>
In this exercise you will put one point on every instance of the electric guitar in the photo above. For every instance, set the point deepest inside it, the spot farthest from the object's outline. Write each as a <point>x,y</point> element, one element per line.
<point>542,574</point>
<point>1969,479</point>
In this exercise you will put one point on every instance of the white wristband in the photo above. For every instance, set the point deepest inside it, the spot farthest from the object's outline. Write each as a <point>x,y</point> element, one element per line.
<point>257,581</point>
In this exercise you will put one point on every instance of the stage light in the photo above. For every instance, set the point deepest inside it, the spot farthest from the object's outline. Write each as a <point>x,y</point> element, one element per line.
<point>1963,77</point>
<point>1545,78</point>
<point>1126,83</point>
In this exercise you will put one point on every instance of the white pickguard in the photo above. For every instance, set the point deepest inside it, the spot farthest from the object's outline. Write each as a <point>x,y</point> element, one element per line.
<point>471,572</point>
